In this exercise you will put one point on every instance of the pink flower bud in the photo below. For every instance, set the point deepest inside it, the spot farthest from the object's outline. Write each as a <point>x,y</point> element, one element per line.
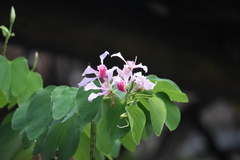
<point>121,86</point>
<point>102,71</point>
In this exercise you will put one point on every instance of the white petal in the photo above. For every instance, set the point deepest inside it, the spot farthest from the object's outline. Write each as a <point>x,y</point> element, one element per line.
<point>85,81</point>
<point>89,70</point>
<point>91,85</point>
<point>103,56</point>
<point>93,96</point>
<point>142,66</point>
<point>119,55</point>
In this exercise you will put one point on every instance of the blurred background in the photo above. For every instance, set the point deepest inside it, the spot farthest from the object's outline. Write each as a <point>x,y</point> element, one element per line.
<point>194,43</point>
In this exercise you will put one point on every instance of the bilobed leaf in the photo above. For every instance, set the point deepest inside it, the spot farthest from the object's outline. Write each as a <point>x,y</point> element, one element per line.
<point>64,103</point>
<point>158,114</point>
<point>65,137</point>
<point>5,78</point>
<point>19,75</point>
<point>137,121</point>
<point>39,113</point>
<point>169,87</point>
<point>87,110</point>
<point>34,83</point>
<point>173,113</point>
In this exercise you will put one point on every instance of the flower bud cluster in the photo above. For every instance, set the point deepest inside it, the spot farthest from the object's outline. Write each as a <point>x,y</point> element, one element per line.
<point>125,80</point>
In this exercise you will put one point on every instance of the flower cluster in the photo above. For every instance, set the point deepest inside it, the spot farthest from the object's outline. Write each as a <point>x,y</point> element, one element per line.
<point>123,81</point>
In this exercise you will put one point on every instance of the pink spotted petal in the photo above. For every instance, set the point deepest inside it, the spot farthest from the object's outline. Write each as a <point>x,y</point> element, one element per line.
<point>85,81</point>
<point>89,70</point>
<point>103,56</point>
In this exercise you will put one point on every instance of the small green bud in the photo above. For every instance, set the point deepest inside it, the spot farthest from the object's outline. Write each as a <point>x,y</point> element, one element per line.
<point>12,15</point>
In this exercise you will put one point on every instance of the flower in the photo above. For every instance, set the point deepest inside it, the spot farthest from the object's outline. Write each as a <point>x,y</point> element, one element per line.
<point>128,67</point>
<point>105,87</point>
<point>101,73</point>
<point>142,82</point>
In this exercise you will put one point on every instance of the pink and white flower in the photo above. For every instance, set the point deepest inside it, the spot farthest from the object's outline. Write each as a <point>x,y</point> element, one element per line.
<point>101,73</point>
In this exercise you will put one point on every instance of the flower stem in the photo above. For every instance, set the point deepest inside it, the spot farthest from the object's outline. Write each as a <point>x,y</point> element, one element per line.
<point>93,140</point>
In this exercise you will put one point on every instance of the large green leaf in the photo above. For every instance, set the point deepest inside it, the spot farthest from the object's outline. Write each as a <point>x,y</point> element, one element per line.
<point>110,120</point>
<point>56,92</point>
<point>169,87</point>
<point>158,114</point>
<point>34,83</point>
<point>137,121</point>
<point>87,110</point>
<point>64,103</point>
<point>19,75</point>
<point>64,137</point>
<point>39,113</point>
<point>173,113</point>
<point>5,77</point>
<point>20,115</point>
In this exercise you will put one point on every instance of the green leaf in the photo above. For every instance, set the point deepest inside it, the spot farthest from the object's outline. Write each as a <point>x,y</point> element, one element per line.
<point>5,78</point>
<point>11,141</point>
<point>169,87</point>
<point>110,120</point>
<point>87,110</point>
<point>20,115</point>
<point>64,103</point>
<point>137,121</point>
<point>34,83</point>
<point>5,31</point>
<point>39,113</point>
<point>158,114</point>
<point>3,100</point>
<point>58,90</point>
<point>128,142</point>
<point>173,113</point>
<point>65,137</point>
<point>19,75</point>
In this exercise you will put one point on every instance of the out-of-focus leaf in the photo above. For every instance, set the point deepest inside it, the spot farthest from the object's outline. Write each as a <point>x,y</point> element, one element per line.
<point>34,83</point>
<point>5,30</point>
<point>137,121</point>
<point>158,114</point>
<point>5,78</point>
<point>19,75</point>
<point>3,100</point>
<point>39,113</point>
<point>58,90</point>
<point>11,141</point>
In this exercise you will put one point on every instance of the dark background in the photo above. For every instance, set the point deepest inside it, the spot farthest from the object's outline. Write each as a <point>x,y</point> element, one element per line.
<point>194,43</point>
